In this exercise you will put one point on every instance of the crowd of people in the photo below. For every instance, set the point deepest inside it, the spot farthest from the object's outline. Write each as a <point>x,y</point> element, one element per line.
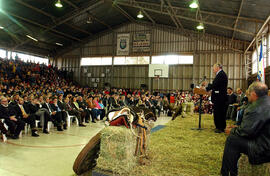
<point>31,92</point>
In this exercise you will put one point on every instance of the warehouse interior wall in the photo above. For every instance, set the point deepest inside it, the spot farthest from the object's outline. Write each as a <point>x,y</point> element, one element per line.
<point>206,50</point>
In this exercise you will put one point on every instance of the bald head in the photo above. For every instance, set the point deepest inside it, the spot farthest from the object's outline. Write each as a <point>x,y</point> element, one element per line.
<point>257,90</point>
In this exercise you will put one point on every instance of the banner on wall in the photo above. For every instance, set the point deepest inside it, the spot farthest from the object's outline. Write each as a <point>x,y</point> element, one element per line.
<point>141,42</point>
<point>261,75</point>
<point>122,44</point>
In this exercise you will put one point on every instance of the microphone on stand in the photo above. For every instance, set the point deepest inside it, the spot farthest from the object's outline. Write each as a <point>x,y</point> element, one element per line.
<point>202,80</point>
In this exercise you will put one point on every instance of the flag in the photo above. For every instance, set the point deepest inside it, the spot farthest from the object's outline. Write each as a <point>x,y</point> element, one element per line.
<point>261,76</point>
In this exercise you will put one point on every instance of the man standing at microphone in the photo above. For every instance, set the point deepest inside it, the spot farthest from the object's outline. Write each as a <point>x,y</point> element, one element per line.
<point>219,97</point>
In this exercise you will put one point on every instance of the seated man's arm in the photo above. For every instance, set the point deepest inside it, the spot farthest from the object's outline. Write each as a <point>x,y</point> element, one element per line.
<point>250,126</point>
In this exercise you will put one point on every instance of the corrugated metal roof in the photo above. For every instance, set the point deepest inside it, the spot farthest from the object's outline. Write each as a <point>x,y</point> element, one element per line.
<point>44,21</point>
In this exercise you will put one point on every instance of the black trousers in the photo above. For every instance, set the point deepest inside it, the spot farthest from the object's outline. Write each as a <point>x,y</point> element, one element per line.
<point>2,128</point>
<point>102,115</point>
<point>31,120</point>
<point>220,109</point>
<point>77,114</point>
<point>234,146</point>
<point>15,127</point>
<point>64,117</point>
<point>57,118</point>
<point>87,114</point>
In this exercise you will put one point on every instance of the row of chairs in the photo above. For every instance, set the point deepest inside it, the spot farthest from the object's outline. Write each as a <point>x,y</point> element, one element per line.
<point>50,125</point>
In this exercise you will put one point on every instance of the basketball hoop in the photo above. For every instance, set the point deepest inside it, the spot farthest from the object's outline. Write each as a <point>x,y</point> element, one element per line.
<point>157,77</point>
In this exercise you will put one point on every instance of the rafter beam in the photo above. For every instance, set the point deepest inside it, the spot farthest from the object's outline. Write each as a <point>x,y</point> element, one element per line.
<point>33,8</point>
<point>98,20</point>
<point>187,18</point>
<point>71,4</point>
<point>148,16</point>
<point>236,21</point>
<point>123,12</point>
<point>43,26</point>
<point>174,14</point>
<point>52,17</point>
<point>66,18</point>
<point>172,17</point>
<point>203,12</point>
<point>64,50</point>
<point>78,28</point>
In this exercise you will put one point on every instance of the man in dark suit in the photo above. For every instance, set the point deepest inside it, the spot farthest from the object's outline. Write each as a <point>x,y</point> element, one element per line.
<point>231,110</point>
<point>71,111</point>
<point>55,116</point>
<point>219,97</point>
<point>15,125</point>
<point>252,137</point>
<point>22,112</point>
<point>40,114</point>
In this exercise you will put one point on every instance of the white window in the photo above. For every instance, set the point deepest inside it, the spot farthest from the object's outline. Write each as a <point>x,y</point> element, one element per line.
<point>96,61</point>
<point>135,60</point>
<point>119,61</point>
<point>172,59</point>
<point>106,61</point>
<point>254,62</point>
<point>28,58</point>
<point>185,59</point>
<point>3,53</point>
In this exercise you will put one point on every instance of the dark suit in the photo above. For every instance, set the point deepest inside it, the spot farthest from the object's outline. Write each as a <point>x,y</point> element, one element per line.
<point>219,99</point>
<point>40,114</point>
<point>252,137</point>
<point>57,118</point>
<point>67,107</point>
<point>15,127</point>
<point>60,115</point>
<point>86,111</point>
<point>31,119</point>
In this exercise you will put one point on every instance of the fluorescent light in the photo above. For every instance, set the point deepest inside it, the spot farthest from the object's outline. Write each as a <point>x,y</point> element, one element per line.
<point>60,44</point>
<point>59,4</point>
<point>200,26</point>
<point>29,36</point>
<point>194,5</point>
<point>140,15</point>
<point>1,27</point>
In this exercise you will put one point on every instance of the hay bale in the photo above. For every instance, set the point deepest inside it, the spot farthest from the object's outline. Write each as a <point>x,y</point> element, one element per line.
<point>117,150</point>
<point>245,168</point>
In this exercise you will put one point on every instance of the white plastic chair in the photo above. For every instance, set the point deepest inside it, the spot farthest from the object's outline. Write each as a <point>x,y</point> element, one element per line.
<point>69,117</point>
<point>3,135</point>
<point>27,127</point>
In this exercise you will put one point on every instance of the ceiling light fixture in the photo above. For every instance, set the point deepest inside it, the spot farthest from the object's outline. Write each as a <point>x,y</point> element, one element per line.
<point>194,5</point>
<point>200,26</point>
<point>89,20</point>
<point>140,15</point>
<point>59,4</point>
<point>59,44</point>
<point>29,36</point>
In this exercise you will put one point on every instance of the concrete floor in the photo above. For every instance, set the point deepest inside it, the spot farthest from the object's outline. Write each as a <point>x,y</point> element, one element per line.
<point>48,155</point>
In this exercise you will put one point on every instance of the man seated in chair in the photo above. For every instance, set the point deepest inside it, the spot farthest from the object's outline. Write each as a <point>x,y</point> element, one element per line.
<point>23,112</point>
<point>71,111</point>
<point>252,137</point>
<point>15,125</point>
